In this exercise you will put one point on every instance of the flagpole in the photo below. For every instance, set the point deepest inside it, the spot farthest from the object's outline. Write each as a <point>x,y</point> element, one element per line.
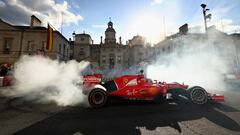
<point>62,23</point>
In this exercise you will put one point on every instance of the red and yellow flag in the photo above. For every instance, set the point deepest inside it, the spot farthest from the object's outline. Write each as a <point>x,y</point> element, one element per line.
<point>49,38</point>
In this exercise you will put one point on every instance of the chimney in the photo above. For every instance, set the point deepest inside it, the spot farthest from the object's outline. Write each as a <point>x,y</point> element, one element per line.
<point>101,40</point>
<point>35,21</point>
<point>183,30</point>
<point>120,40</point>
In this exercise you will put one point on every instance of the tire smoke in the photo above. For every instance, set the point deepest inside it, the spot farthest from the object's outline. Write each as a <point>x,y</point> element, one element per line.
<point>45,80</point>
<point>202,62</point>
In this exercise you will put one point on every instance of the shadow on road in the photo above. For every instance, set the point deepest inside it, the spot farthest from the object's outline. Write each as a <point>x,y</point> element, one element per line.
<point>125,118</point>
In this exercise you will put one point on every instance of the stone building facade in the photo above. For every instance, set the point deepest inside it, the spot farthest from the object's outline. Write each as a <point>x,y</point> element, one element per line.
<point>109,54</point>
<point>236,40</point>
<point>140,50</point>
<point>16,41</point>
<point>224,45</point>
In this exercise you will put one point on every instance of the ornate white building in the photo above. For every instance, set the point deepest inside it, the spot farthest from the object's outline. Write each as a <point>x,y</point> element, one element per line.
<point>110,54</point>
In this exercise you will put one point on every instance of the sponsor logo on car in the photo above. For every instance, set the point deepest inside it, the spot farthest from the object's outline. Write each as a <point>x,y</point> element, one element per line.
<point>125,80</point>
<point>92,79</point>
<point>131,92</point>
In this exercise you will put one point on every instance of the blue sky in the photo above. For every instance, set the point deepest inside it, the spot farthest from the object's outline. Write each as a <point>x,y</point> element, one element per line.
<point>130,17</point>
<point>126,13</point>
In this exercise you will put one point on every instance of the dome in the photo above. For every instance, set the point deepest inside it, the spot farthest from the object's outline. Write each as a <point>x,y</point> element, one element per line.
<point>110,29</point>
<point>83,35</point>
<point>110,23</point>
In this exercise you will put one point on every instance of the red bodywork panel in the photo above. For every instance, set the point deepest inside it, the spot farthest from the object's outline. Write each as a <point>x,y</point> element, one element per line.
<point>218,98</point>
<point>130,86</point>
<point>138,87</point>
<point>215,97</point>
<point>176,85</point>
<point>92,79</point>
<point>8,80</point>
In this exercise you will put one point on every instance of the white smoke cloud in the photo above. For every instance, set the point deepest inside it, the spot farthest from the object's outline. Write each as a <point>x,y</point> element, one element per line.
<point>195,62</point>
<point>226,25</point>
<point>99,26</point>
<point>45,80</point>
<point>194,68</point>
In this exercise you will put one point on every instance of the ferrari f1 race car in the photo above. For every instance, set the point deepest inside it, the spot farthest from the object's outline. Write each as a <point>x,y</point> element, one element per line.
<point>137,87</point>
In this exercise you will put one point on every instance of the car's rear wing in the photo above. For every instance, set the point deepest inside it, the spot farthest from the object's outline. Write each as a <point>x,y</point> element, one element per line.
<point>92,79</point>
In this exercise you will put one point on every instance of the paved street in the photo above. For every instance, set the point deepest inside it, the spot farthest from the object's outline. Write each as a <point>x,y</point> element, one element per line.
<point>21,117</point>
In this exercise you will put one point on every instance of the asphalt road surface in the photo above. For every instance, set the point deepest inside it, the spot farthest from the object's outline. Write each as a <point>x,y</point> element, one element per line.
<point>20,117</point>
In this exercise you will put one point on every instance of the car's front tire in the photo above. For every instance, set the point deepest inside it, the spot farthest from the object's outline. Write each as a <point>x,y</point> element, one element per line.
<point>198,95</point>
<point>97,98</point>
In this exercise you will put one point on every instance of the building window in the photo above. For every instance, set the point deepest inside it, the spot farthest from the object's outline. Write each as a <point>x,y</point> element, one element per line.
<point>111,63</point>
<point>30,47</point>
<point>43,45</point>
<point>7,45</point>
<point>82,39</point>
<point>81,49</point>
<point>60,48</point>
<point>119,59</point>
<point>64,49</point>
<point>111,60</point>
<point>67,52</point>
<point>81,54</point>
<point>140,54</point>
<point>104,59</point>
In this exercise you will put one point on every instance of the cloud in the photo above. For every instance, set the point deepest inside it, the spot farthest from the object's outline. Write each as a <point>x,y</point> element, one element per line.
<point>19,12</point>
<point>227,26</point>
<point>224,25</point>
<point>156,2</point>
<point>220,16</point>
<point>99,26</point>
<point>2,4</point>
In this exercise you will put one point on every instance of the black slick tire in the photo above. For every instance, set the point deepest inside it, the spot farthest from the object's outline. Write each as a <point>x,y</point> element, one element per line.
<point>97,98</point>
<point>198,95</point>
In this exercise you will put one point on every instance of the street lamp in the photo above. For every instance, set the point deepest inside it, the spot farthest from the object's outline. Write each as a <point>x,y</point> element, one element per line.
<point>205,17</point>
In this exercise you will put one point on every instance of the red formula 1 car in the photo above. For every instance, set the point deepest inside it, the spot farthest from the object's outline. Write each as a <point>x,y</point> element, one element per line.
<point>137,87</point>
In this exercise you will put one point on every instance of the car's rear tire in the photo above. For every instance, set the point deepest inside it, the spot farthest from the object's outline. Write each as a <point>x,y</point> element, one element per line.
<point>97,98</point>
<point>198,95</point>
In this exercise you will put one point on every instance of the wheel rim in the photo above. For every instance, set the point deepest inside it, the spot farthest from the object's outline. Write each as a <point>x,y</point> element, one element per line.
<point>199,96</point>
<point>98,98</point>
